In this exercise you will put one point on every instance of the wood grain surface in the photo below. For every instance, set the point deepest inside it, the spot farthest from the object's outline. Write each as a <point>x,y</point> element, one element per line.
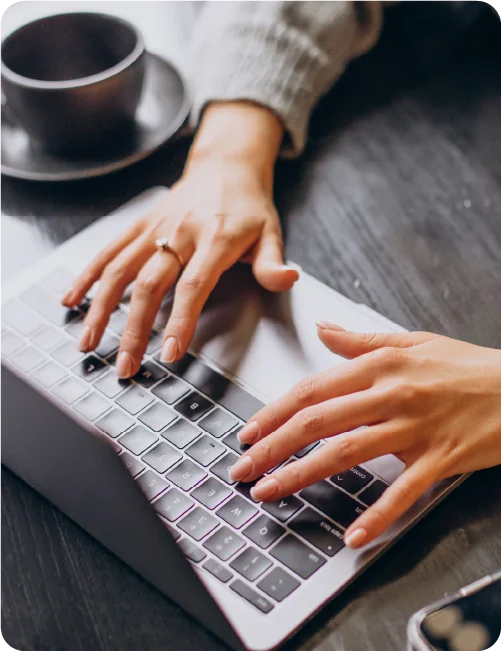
<point>396,203</point>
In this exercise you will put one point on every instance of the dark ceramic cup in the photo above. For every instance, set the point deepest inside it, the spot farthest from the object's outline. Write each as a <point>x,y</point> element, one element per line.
<point>73,81</point>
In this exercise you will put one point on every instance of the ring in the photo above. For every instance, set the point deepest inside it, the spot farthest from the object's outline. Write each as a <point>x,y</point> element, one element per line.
<point>163,243</point>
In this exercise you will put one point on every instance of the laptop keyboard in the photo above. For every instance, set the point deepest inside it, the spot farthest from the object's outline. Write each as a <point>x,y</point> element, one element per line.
<point>175,428</point>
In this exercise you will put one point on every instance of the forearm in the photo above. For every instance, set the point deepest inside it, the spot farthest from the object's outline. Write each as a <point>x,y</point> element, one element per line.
<point>282,55</point>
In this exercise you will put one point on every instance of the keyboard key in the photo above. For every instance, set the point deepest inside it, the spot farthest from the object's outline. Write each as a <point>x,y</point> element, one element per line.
<point>132,464</point>
<point>218,422</point>
<point>211,493</point>
<point>283,509</point>
<point>302,453</point>
<point>154,342</point>
<point>245,489</point>
<point>319,531</point>
<point>224,543</point>
<point>162,457</point>
<point>11,343</point>
<point>49,306</point>
<point>148,374</point>
<point>49,374</point>
<point>232,442</point>
<point>186,475</point>
<point>170,390</point>
<point>108,344</point>
<point>205,450</point>
<point>173,505</point>
<point>251,596</point>
<point>191,551</point>
<point>216,386</point>
<point>135,399</point>
<point>251,564</point>
<point>264,531</point>
<point>118,321</point>
<point>352,480</point>
<point>222,468</point>
<point>111,385</point>
<point>157,416</point>
<point>92,406</point>
<point>334,503</point>
<point>297,556</point>
<point>198,523</point>
<point>67,354</point>
<point>20,318</point>
<point>388,467</point>
<point>28,359</point>
<point>373,492</point>
<point>151,484</point>
<point>194,406</point>
<point>181,433</point>
<point>138,440</point>
<point>58,281</point>
<point>237,512</point>
<point>90,368</point>
<point>278,584</point>
<point>48,338</point>
<point>70,390</point>
<point>74,329</point>
<point>218,570</point>
<point>114,423</point>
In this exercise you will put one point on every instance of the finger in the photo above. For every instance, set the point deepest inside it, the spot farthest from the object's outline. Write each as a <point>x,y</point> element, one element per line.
<point>268,264</point>
<point>153,281</point>
<point>192,291</point>
<point>338,455</point>
<point>114,280</point>
<point>348,377</point>
<point>353,344</point>
<point>393,503</point>
<point>92,273</point>
<point>307,426</point>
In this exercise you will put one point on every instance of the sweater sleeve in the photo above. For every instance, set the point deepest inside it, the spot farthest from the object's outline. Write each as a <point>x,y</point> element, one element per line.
<point>282,55</point>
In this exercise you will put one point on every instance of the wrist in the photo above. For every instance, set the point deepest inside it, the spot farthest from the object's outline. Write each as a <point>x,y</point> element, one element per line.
<point>238,132</point>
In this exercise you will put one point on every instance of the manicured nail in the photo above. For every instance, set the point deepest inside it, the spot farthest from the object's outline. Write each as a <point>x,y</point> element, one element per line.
<point>325,325</point>
<point>241,469</point>
<point>264,489</point>
<point>356,538</point>
<point>124,364</point>
<point>249,433</point>
<point>170,350</point>
<point>85,339</point>
<point>68,298</point>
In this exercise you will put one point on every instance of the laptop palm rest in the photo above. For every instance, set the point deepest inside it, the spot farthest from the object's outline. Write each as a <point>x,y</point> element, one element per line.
<point>101,497</point>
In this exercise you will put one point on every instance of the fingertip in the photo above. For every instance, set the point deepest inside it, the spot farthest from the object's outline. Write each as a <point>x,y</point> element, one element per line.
<point>356,538</point>
<point>276,277</point>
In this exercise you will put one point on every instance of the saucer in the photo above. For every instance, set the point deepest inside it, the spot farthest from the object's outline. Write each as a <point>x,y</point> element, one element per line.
<point>163,109</point>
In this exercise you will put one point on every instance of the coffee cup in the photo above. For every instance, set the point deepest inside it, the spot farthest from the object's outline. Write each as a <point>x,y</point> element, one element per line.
<point>73,81</point>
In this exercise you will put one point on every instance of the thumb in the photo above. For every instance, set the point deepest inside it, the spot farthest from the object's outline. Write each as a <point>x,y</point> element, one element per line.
<point>352,344</point>
<point>268,264</point>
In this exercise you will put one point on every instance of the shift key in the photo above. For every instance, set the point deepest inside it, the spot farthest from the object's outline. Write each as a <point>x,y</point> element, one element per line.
<point>333,502</point>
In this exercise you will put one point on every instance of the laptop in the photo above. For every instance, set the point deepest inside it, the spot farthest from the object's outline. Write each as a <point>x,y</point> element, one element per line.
<point>142,465</point>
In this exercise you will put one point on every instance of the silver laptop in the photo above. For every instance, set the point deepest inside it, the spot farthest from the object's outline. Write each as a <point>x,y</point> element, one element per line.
<point>143,464</point>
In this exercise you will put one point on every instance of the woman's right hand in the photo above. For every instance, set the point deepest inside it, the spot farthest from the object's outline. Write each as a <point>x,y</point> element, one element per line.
<point>220,212</point>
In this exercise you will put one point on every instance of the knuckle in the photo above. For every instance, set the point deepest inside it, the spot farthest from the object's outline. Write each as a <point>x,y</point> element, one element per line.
<point>147,285</point>
<point>113,273</point>
<point>310,420</point>
<point>345,452</point>
<point>379,517</point>
<point>294,475</point>
<point>270,417</point>
<point>304,391</point>
<point>192,283</point>
<point>131,337</point>
<point>264,451</point>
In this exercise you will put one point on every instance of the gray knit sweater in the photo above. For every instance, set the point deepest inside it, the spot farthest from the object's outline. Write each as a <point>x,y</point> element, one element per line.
<point>283,55</point>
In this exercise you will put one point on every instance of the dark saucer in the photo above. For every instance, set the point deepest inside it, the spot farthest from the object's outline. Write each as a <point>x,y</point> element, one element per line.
<point>162,111</point>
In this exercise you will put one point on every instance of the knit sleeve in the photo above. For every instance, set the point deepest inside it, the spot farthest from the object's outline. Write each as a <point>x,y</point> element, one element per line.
<point>282,55</point>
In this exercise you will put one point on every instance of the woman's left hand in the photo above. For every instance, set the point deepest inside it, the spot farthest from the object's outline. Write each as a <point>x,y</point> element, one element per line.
<point>433,402</point>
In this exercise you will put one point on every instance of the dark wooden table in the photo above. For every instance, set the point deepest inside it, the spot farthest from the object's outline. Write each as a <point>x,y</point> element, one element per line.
<point>397,203</point>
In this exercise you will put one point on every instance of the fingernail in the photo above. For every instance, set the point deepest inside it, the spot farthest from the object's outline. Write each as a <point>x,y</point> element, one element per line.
<point>170,350</point>
<point>124,364</point>
<point>355,539</point>
<point>68,298</point>
<point>85,339</point>
<point>325,325</point>
<point>249,433</point>
<point>264,489</point>
<point>241,469</point>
